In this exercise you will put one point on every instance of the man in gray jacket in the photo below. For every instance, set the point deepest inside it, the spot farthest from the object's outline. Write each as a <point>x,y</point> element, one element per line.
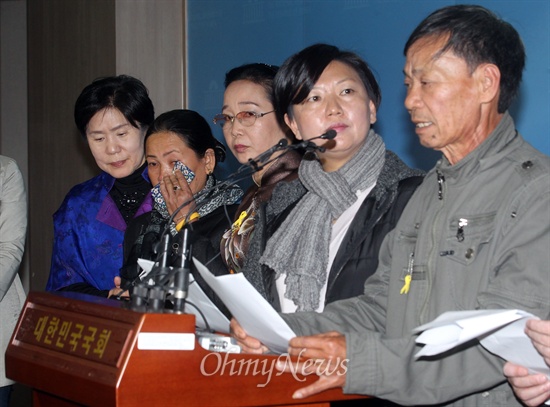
<point>13,229</point>
<point>475,235</point>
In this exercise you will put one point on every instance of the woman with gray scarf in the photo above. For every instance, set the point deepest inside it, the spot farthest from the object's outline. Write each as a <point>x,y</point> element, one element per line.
<point>354,190</point>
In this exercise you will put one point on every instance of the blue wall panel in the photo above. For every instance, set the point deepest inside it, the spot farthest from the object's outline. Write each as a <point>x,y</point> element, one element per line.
<point>223,34</point>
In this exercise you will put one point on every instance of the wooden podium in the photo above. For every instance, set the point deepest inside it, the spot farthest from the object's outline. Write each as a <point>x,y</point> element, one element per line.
<point>74,349</point>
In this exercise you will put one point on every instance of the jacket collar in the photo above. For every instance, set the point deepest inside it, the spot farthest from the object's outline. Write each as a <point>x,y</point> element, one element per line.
<point>109,213</point>
<point>484,156</point>
<point>108,180</point>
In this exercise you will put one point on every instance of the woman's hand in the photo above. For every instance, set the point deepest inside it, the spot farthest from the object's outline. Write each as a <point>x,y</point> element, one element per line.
<point>117,291</point>
<point>175,190</point>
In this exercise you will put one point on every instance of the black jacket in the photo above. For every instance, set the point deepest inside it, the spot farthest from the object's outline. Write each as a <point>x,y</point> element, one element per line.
<point>143,234</point>
<point>357,257</point>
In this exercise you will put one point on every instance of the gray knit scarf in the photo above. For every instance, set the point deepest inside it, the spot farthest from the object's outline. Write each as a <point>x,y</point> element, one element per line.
<point>300,246</point>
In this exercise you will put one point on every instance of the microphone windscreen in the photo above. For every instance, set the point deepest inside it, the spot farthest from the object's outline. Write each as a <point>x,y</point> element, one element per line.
<point>329,135</point>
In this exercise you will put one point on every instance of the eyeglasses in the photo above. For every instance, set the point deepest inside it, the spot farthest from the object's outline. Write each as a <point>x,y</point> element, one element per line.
<point>246,118</point>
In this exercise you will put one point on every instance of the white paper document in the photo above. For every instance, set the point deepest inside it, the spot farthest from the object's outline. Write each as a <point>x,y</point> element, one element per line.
<point>258,318</point>
<point>217,321</point>
<point>499,331</point>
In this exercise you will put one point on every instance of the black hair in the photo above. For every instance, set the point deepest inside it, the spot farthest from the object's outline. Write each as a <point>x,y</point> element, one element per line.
<point>192,128</point>
<point>258,73</point>
<point>301,71</point>
<point>124,93</point>
<point>478,36</point>
<point>263,75</point>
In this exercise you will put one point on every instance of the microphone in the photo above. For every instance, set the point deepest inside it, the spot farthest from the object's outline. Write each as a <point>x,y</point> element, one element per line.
<point>267,154</point>
<point>181,275</point>
<point>283,145</point>
<point>309,145</point>
<point>329,135</point>
<point>256,163</point>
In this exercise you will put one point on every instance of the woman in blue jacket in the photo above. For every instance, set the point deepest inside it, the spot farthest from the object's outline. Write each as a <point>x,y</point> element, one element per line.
<point>113,115</point>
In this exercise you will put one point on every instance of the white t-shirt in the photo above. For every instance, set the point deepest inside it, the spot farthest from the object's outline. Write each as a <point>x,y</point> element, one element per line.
<point>339,229</point>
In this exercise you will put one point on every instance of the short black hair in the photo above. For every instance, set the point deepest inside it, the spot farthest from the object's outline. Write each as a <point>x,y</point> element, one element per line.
<point>301,71</point>
<point>263,75</point>
<point>192,128</point>
<point>124,93</point>
<point>258,73</point>
<point>478,36</point>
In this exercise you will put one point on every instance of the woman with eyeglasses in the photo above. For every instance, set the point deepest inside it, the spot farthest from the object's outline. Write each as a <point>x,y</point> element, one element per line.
<point>250,127</point>
<point>354,191</point>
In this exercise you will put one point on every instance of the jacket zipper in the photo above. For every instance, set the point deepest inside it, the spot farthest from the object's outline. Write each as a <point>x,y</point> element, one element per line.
<point>441,194</point>
<point>441,185</point>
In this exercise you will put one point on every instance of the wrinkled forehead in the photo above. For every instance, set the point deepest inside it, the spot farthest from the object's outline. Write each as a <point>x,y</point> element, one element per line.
<point>430,52</point>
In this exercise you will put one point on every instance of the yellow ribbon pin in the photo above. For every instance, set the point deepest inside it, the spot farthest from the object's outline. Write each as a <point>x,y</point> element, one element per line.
<point>194,216</point>
<point>237,224</point>
<point>406,287</point>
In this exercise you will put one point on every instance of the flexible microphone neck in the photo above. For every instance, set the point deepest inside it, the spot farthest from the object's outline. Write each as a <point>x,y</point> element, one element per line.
<point>259,162</point>
<point>309,145</point>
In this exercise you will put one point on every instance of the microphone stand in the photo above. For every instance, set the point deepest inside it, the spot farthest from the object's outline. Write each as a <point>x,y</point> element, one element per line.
<point>151,298</point>
<point>181,275</point>
<point>163,269</point>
